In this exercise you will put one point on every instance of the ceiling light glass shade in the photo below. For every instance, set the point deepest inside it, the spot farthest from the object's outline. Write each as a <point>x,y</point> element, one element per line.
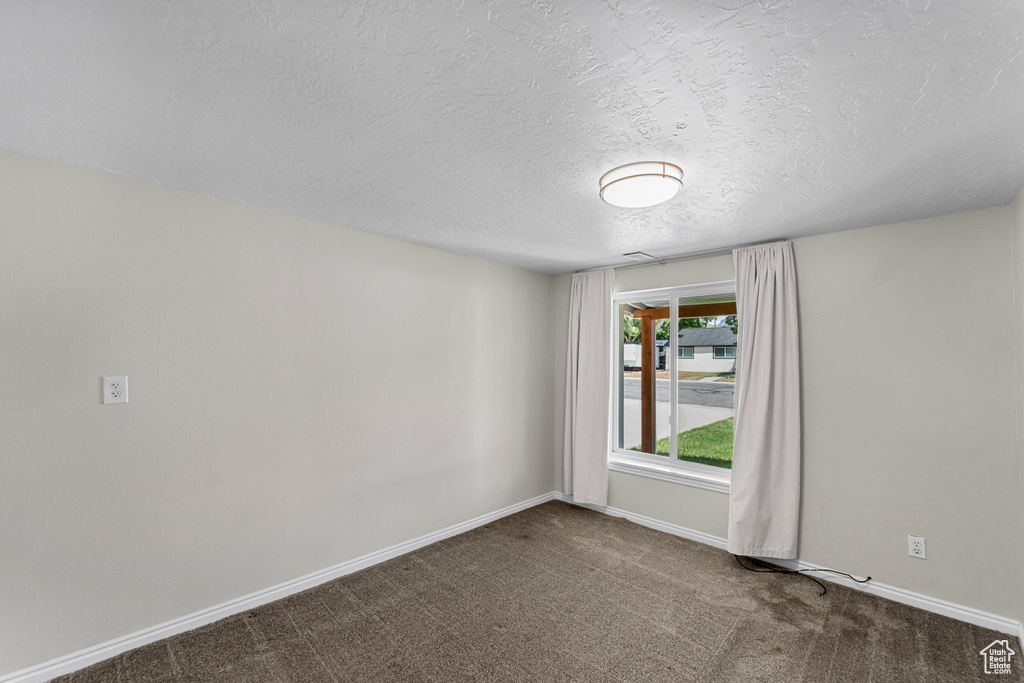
<point>644,183</point>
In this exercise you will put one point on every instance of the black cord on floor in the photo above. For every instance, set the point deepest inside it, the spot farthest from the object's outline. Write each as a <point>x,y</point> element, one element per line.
<point>766,568</point>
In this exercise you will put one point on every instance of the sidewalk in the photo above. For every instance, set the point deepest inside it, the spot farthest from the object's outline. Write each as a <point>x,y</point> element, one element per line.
<point>690,417</point>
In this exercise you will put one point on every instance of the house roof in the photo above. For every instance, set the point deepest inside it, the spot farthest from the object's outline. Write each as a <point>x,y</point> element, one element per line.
<point>706,336</point>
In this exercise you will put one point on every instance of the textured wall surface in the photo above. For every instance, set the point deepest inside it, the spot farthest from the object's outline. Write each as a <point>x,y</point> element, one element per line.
<point>270,432</point>
<point>482,126</point>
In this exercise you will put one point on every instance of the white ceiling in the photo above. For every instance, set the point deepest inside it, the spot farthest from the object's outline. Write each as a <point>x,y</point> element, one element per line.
<point>482,126</point>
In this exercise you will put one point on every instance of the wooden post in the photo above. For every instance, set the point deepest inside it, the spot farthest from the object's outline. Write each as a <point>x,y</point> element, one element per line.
<point>692,311</point>
<point>648,385</point>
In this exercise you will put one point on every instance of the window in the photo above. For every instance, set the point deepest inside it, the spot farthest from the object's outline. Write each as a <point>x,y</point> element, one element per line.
<point>725,352</point>
<point>674,422</point>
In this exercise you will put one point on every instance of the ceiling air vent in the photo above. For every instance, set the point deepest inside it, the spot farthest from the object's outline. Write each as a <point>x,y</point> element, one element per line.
<point>640,257</point>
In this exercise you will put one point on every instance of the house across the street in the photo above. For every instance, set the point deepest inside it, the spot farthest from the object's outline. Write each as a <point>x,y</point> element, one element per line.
<point>701,349</point>
<point>707,349</point>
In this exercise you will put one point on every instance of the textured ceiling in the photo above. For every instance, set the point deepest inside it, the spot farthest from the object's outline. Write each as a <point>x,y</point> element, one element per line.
<point>482,127</point>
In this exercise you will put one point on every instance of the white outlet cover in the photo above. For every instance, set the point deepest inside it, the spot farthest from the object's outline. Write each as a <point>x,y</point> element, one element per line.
<point>115,390</point>
<point>913,544</point>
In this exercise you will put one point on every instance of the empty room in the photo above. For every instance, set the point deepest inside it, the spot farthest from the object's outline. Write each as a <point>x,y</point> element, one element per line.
<point>511,340</point>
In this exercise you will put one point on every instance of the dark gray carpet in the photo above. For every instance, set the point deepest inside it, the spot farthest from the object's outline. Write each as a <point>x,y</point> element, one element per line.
<point>559,593</point>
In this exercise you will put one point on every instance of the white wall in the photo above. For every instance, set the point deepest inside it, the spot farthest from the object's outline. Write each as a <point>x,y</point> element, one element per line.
<point>704,361</point>
<point>894,443</point>
<point>268,435</point>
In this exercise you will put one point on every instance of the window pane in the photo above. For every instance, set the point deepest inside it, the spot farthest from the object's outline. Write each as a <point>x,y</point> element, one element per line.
<point>705,362</point>
<point>706,392</point>
<point>643,422</point>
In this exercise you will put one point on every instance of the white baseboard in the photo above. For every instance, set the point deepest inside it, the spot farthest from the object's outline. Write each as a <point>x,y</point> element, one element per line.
<point>908,597</point>
<point>902,595</point>
<point>41,673</point>
<point>650,522</point>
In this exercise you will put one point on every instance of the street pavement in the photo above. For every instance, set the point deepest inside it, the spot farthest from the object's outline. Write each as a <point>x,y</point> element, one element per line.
<point>717,394</point>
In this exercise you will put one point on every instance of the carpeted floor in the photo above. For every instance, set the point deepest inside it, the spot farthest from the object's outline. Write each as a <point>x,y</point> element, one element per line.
<point>559,593</point>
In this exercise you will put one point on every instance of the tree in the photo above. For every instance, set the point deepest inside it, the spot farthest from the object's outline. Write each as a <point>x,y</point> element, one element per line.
<point>631,327</point>
<point>684,323</point>
<point>630,330</point>
<point>696,322</point>
<point>733,323</point>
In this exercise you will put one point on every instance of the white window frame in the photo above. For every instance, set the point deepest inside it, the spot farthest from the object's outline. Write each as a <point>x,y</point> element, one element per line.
<point>684,356</point>
<point>725,353</point>
<point>656,466</point>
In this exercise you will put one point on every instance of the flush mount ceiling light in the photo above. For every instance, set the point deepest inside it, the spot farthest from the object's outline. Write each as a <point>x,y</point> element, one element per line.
<point>644,183</point>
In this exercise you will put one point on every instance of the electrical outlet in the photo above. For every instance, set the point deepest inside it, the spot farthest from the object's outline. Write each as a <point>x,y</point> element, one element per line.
<point>915,546</point>
<point>115,390</point>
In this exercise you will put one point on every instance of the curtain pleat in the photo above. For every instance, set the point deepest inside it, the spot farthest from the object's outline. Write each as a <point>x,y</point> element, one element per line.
<point>588,387</point>
<point>764,499</point>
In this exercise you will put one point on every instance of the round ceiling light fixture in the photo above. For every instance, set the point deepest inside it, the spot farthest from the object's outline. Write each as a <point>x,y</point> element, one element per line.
<point>644,183</point>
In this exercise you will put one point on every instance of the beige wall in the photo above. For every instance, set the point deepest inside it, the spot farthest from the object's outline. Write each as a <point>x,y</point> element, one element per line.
<point>898,438</point>
<point>685,506</point>
<point>269,435</point>
<point>560,330</point>
<point>900,435</point>
<point>1018,258</point>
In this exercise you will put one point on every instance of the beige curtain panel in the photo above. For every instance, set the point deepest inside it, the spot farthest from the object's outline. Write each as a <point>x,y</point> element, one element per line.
<point>764,499</point>
<point>588,387</point>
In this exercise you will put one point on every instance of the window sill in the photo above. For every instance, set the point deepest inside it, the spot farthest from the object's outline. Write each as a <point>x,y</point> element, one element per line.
<point>688,474</point>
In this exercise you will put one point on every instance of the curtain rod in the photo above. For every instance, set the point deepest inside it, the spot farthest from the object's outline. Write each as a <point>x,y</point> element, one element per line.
<point>681,257</point>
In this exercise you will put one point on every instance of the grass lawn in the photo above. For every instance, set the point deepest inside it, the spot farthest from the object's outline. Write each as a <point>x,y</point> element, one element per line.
<point>685,375</point>
<point>726,379</point>
<point>708,445</point>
